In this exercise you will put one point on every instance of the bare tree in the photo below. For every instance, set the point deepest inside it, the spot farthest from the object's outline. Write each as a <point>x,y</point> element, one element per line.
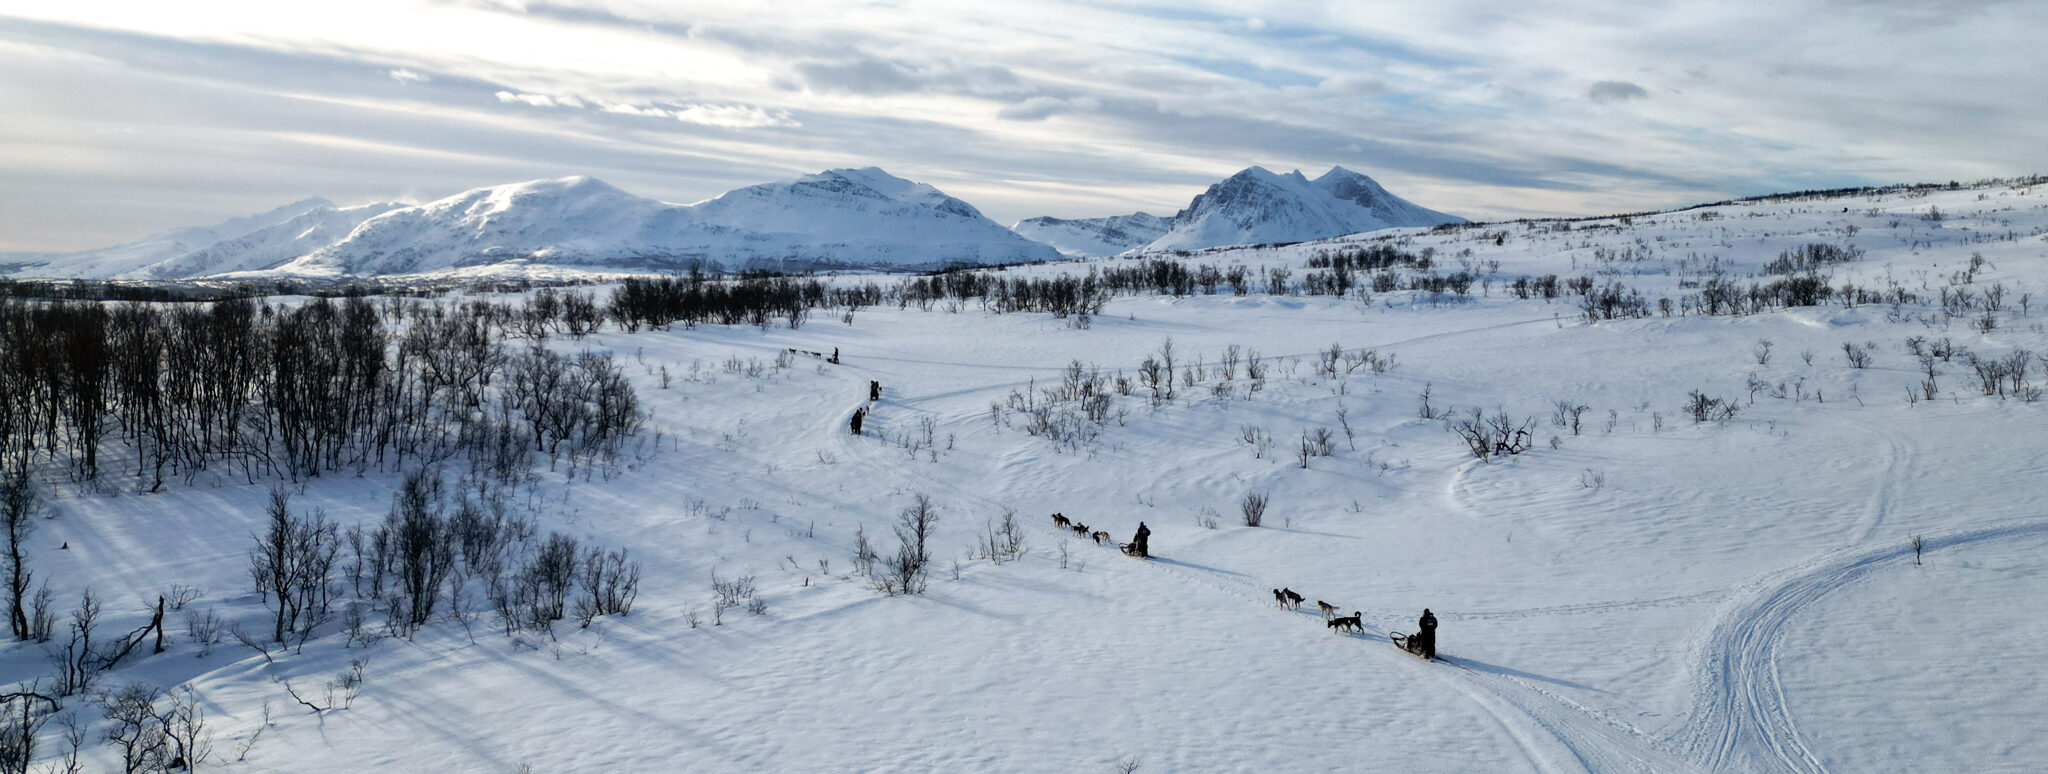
<point>421,547</point>
<point>906,571</point>
<point>1569,414</point>
<point>1254,508</point>
<point>1857,354</point>
<point>1490,436</point>
<point>135,729</point>
<point>291,565</point>
<point>78,662</point>
<point>18,505</point>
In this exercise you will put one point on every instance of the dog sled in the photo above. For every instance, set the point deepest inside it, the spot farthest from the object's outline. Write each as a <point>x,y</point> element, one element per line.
<point>1408,642</point>
<point>1131,550</point>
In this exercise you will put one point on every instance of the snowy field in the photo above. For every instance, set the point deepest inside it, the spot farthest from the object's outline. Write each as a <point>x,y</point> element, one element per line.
<point>1648,593</point>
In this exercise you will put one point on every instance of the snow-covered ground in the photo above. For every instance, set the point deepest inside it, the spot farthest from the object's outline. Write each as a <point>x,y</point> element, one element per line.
<point>1648,593</point>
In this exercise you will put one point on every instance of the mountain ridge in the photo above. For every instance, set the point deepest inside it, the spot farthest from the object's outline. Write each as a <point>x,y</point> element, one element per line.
<point>839,218</point>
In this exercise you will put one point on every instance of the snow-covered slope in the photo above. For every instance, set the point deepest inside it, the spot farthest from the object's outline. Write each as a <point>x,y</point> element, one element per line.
<point>572,219</point>
<point>862,217</point>
<point>1095,237</point>
<point>269,247</point>
<point>141,259</point>
<point>1257,206</point>
<point>842,217</point>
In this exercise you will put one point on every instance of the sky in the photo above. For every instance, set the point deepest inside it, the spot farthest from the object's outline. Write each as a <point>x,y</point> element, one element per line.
<point>130,118</point>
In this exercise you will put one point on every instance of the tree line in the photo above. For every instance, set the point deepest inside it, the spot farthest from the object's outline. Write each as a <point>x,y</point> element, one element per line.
<point>260,390</point>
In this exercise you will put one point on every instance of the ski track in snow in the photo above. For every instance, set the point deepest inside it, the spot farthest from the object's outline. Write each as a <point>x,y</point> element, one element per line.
<point>1740,721</point>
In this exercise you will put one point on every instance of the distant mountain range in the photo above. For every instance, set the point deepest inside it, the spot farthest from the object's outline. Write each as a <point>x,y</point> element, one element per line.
<point>841,218</point>
<point>1096,236</point>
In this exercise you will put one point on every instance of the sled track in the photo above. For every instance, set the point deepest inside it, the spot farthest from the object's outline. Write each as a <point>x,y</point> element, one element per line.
<point>1901,455</point>
<point>1740,721</point>
<point>1051,373</point>
<point>1553,733</point>
<point>1592,743</point>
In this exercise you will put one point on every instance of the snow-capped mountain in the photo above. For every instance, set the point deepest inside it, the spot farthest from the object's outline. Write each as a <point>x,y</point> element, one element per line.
<point>1095,237</point>
<point>147,257</point>
<point>268,247</point>
<point>566,220</point>
<point>841,217</point>
<point>858,217</point>
<point>1257,206</point>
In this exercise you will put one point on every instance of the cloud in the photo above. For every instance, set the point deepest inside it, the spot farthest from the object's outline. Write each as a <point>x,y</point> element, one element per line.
<point>1455,98</point>
<point>1354,85</point>
<point>1615,91</point>
<point>540,100</point>
<point>1041,108</point>
<point>871,75</point>
<point>733,116</point>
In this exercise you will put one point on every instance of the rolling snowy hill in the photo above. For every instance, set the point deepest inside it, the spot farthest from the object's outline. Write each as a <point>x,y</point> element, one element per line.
<point>1259,207</point>
<point>837,218</point>
<point>1095,237</point>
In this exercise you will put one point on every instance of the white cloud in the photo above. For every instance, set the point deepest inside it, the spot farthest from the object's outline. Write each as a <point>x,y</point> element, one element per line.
<point>540,100</point>
<point>403,75</point>
<point>728,116</point>
<point>731,116</point>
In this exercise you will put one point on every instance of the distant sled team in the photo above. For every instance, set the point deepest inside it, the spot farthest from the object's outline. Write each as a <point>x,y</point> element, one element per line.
<point>1138,547</point>
<point>832,358</point>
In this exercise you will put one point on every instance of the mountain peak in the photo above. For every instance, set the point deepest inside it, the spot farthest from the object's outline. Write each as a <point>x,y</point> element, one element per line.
<point>1340,173</point>
<point>1256,206</point>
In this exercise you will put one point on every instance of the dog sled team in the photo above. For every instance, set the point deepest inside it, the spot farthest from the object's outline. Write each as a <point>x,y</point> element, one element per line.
<point>860,415</point>
<point>1138,547</point>
<point>1421,643</point>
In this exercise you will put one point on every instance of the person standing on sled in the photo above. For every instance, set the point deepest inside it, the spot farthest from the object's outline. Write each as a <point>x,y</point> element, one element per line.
<point>1426,627</point>
<point>1138,548</point>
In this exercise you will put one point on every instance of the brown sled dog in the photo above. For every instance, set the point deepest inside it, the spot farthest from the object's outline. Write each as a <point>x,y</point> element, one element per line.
<point>1329,610</point>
